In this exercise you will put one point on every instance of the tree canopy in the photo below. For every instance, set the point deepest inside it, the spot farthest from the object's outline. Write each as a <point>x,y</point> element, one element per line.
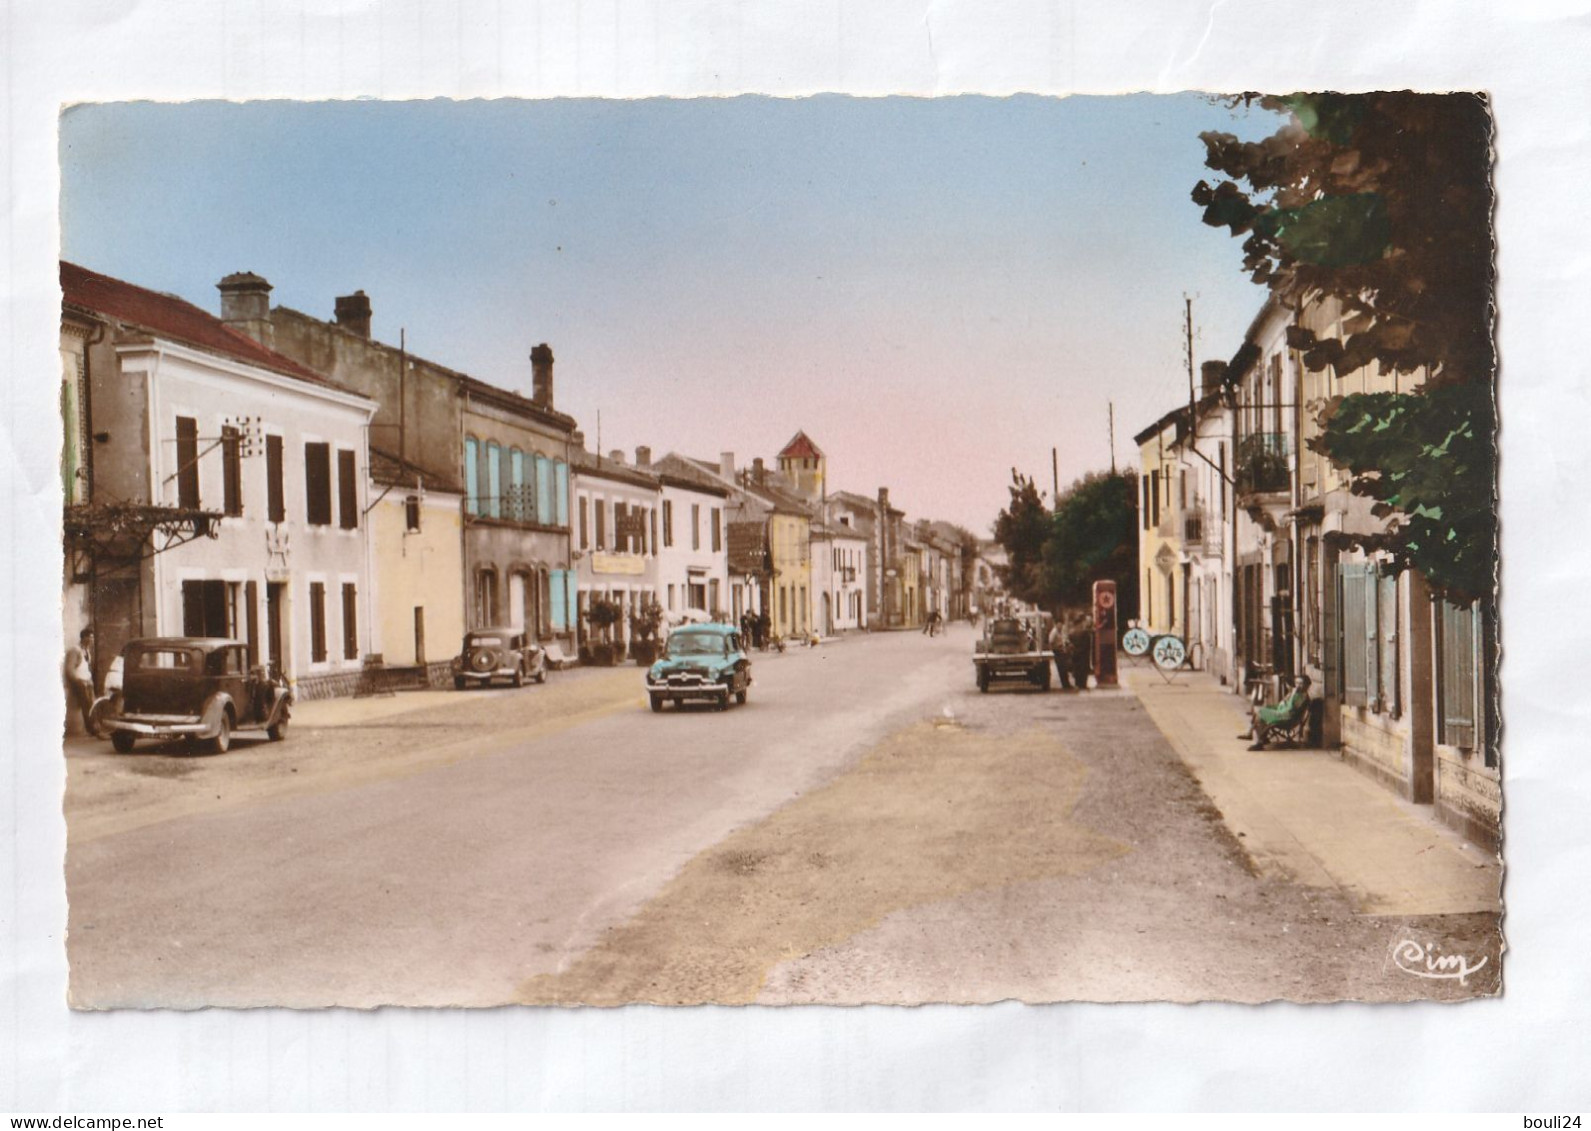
<point>1383,201</point>
<point>1054,557</point>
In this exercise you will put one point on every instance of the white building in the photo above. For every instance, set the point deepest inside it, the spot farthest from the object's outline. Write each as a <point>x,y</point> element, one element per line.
<point>617,527</point>
<point>238,480</point>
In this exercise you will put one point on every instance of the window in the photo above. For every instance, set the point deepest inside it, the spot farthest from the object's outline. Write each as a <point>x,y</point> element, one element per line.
<point>347,491</point>
<point>419,635</point>
<point>696,526</point>
<point>472,476</point>
<point>1145,508</point>
<point>602,523</point>
<point>544,508</point>
<point>518,504</point>
<point>712,594</point>
<point>560,493</point>
<point>232,470</point>
<point>621,528</point>
<point>1458,652</point>
<point>411,514</point>
<point>1154,492</point>
<point>585,534</point>
<point>350,621</point>
<point>317,484</point>
<point>668,522</point>
<point>317,622</point>
<point>275,498</point>
<point>209,608</point>
<point>485,598</point>
<point>187,462</point>
<point>718,530</point>
<point>494,480</point>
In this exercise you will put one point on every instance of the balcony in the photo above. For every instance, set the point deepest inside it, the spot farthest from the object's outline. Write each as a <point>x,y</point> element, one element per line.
<point>1193,528</point>
<point>1262,464</point>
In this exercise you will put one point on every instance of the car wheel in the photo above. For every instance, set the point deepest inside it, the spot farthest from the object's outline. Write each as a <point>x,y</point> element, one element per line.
<point>983,681</point>
<point>723,700</point>
<point>541,675</point>
<point>458,683</point>
<point>278,731</point>
<point>740,696</point>
<point>519,677</point>
<point>657,703</point>
<point>122,741</point>
<point>222,742</point>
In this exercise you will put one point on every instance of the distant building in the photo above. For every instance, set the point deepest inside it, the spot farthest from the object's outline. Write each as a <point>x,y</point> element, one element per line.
<point>617,537</point>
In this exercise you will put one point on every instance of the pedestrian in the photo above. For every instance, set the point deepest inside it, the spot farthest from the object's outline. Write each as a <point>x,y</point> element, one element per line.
<point>763,624</point>
<point>1081,642</point>
<point>78,668</point>
<point>1060,648</point>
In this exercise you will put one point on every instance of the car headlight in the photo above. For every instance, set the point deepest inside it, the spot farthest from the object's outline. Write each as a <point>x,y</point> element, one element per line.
<point>655,673</point>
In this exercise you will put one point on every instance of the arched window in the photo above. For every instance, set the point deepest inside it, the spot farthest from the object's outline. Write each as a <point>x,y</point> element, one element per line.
<point>472,493</point>
<point>494,479</point>
<point>516,489</point>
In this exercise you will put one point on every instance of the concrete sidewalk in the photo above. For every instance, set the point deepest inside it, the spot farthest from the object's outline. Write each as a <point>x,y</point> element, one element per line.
<point>1305,816</point>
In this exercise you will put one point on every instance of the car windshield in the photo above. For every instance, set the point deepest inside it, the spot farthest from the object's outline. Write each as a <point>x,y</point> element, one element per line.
<point>485,641</point>
<point>696,644</point>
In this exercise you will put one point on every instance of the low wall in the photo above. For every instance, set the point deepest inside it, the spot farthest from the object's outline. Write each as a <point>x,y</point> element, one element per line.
<point>1469,796</point>
<point>1377,746</point>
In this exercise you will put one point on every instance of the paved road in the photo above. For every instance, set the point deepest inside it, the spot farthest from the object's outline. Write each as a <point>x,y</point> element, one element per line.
<point>867,828</point>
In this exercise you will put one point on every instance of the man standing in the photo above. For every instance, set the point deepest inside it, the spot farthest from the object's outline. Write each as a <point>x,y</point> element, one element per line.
<point>1081,645</point>
<point>1060,648</point>
<point>78,668</point>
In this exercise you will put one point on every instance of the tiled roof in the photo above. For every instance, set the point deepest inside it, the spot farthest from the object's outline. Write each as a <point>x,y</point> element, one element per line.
<point>170,317</point>
<point>801,447</point>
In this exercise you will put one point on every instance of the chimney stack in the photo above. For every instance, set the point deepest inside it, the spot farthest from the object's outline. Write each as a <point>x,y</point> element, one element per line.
<point>617,455</point>
<point>246,304</point>
<point>541,375</point>
<point>726,465</point>
<point>353,313</point>
<point>1211,374</point>
<point>758,475</point>
<point>578,439</point>
<point>643,457</point>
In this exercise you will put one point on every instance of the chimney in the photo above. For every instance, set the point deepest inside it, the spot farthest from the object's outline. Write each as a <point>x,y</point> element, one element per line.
<point>541,375</point>
<point>1211,374</point>
<point>726,464</point>
<point>245,297</point>
<point>578,439</point>
<point>617,455</point>
<point>643,457</point>
<point>353,313</point>
<point>758,474</point>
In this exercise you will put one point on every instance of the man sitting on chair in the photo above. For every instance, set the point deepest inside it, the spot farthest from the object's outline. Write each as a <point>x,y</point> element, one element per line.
<point>1283,716</point>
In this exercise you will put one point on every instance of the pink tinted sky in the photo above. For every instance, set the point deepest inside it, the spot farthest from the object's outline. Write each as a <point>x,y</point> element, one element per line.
<point>935,290</point>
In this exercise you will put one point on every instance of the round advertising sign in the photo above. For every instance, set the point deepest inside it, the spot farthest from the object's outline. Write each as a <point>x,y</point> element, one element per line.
<point>1170,652</point>
<point>1135,642</point>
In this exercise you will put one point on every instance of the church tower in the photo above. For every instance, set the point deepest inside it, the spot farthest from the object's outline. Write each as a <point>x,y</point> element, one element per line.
<point>803,464</point>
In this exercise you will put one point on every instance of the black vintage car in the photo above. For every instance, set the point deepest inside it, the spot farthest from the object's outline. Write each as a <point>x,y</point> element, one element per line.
<point>505,653</point>
<point>198,688</point>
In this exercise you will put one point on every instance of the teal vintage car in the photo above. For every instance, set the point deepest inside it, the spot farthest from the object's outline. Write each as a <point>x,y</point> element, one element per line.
<point>700,661</point>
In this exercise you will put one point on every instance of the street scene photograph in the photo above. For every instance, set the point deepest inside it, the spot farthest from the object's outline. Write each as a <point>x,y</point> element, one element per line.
<point>781,551</point>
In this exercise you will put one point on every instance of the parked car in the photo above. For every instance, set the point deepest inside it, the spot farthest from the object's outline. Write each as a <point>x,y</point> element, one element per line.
<point>1013,648</point>
<point>504,653</point>
<point>197,688</point>
<point>700,661</point>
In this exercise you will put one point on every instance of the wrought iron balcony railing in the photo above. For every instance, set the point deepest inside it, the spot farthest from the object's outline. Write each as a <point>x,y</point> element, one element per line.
<point>1262,464</point>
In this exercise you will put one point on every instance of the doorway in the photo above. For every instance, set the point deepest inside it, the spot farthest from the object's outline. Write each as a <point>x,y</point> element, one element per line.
<point>275,627</point>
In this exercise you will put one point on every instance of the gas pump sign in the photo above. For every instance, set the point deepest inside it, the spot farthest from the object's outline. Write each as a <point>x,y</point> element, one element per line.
<point>1105,633</point>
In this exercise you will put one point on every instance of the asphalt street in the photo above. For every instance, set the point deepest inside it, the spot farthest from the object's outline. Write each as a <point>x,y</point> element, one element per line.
<point>866,828</point>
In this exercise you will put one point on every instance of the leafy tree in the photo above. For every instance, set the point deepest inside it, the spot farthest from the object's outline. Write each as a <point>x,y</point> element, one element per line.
<point>1094,537</point>
<point>1383,201</point>
<point>1022,528</point>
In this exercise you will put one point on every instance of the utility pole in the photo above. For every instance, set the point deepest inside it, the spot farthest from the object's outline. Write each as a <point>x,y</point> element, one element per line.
<point>1113,438</point>
<point>1188,320</point>
<point>1055,480</point>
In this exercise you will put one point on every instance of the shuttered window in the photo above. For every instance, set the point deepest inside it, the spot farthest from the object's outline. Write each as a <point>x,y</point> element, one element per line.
<point>472,476</point>
<point>556,599</point>
<point>275,494</point>
<point>1387,622</point>
<point>317,622</point>
<point>347,491</point>
<point>187,462</point>
<point>1456,690</point>
<point>232,470</point>
<point>602,523</point>
<point>494,480</point>
<point>317,484</point>
<point>1355,684</point>
<point>544,509</point>
<point>560,491</point>
<point>350,622</point>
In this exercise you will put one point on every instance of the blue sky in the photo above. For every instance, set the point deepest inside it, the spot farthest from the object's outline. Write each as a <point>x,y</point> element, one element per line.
<point>936,290</point>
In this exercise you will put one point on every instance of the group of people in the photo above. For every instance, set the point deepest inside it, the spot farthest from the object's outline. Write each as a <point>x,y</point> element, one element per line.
<point>1072,644</point>
<point>755,628</point>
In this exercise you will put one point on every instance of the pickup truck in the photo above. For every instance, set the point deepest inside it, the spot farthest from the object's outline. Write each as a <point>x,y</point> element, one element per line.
<point>1012,648</point>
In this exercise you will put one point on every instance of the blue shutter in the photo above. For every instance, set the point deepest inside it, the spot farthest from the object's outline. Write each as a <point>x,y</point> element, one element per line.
<point>1372,638</point>
<point>516,491</point>
<point>560,489</point>
<point>1351,634</point>
<point>472,493</point>
<point>544,511</point>
<point>555,598</point>
<point>494,480</point>
<point>571,593</point>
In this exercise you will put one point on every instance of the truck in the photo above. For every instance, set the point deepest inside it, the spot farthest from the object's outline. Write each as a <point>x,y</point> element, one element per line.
<point>1013,648</point>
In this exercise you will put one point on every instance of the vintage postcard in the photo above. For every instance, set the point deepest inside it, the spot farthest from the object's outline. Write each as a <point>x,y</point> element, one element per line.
<point>828,550</point>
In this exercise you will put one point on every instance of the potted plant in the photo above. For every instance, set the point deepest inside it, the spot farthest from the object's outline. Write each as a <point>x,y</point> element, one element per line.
<point>602,615</point>
<point>645,625</point>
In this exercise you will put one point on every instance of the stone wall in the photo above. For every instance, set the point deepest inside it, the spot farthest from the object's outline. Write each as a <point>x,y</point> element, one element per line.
<point>1469,795</point>
<point>1377,746</point>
